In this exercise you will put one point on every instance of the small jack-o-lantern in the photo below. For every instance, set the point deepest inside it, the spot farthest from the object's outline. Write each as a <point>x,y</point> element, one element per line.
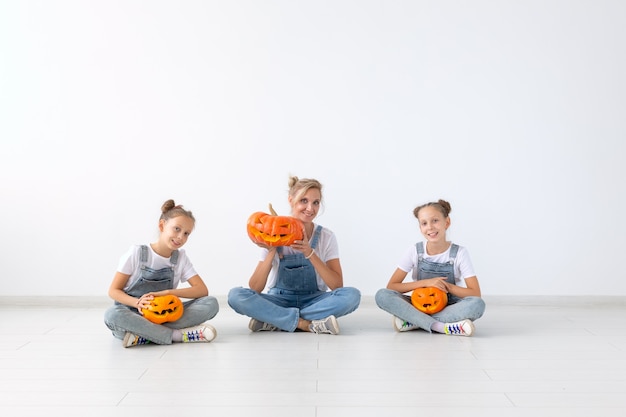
<point>429,300</point>
<point>274,230</point>
<point>164,308</point>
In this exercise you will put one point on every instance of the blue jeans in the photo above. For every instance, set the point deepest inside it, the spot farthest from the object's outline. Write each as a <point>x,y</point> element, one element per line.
<point>399,305</point>
<point>283,308</point>
<point>121,319</point>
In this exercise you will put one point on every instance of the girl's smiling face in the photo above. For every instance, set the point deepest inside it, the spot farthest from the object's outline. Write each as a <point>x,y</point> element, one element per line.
<point>175,231</point>
<point>433,224</point>
<point>306,208</point>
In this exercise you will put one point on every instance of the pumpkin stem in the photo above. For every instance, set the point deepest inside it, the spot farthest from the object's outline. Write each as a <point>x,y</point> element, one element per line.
<point>272,211</point>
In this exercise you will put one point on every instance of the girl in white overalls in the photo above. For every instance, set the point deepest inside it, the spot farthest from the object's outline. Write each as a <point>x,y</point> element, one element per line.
<point>298,276</point>
<point>435,263</point>
<point>148,271</point>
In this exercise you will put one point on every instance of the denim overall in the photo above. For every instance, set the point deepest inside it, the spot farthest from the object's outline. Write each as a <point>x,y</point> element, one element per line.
<point>121,318</point>
<point>458,308</point>
<point>153,280</point>
<point>296,275</point>
<point>295,294</point>
<point>428,269</point>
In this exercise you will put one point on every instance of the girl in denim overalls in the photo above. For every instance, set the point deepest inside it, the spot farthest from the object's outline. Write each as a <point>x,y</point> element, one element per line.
<point>298,276</point>
<point>435,263</point>
<point>147,271</point>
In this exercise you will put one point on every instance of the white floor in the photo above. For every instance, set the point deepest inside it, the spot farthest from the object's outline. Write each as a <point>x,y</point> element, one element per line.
<point>553,357</point>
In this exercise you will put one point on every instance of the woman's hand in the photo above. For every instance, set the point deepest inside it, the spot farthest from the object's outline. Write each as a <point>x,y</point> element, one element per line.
<point>303,245</point>
<point>263,245</point>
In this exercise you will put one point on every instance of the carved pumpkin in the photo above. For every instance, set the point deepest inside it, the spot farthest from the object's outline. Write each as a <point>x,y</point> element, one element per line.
<point>429,300</point>
<point>274,230</point>
<point>163,309</point>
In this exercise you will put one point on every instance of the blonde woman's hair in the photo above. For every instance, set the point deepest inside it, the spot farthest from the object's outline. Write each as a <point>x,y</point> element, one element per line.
<point>298,187</point>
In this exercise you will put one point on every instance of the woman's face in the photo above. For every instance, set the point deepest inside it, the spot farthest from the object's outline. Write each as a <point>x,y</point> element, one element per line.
<point>305,209</point>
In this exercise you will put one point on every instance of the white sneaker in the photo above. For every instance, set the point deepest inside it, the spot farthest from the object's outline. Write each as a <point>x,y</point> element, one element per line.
<point>328,325</point>
<point>131,340</point>
<point>460,328</point>
<point>202,333</point>
<point>402,325</point>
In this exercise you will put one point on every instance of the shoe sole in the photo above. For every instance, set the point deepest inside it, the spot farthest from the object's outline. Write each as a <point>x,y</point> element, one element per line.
<point>213,332</point>
<point>401,330</point>
<point>472,328</point>
<point>335,325</point>
<point>126,339</point>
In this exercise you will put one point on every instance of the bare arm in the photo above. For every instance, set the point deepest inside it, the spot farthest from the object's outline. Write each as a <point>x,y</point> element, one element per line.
<point>116,290</point>
<point>473,288</point>
<point>258,280</point>
<point>330,271</point>
<point>395,282</point>
<point>197,288</point>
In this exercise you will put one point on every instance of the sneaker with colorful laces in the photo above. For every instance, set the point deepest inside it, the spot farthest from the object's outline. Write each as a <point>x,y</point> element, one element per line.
<point>403,325</point>
<point>328,325</point>
<point>203,333</point>
<point>460,328</point>
<point>131,340</point>
<point>260,326</point>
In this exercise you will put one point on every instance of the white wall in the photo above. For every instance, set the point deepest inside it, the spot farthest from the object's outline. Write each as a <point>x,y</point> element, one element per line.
<point>511,110</point>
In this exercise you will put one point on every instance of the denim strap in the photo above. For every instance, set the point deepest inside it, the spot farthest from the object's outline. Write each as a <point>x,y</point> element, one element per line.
<point>144,255</point>
<point>454,249</point>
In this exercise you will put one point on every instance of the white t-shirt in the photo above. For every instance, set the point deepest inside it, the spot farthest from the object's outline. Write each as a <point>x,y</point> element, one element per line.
<point>462,264</point>
<point>326,249</point>
<point>130,264</point>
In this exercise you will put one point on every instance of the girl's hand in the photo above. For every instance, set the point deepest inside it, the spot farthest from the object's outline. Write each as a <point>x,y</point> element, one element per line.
<point>144,302</point>
<point>439,282</point>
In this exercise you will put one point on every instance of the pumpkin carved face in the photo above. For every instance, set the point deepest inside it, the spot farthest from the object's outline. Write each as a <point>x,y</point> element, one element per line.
<point>274,230</point>
<point>429,300</point>
<point>163,309</point>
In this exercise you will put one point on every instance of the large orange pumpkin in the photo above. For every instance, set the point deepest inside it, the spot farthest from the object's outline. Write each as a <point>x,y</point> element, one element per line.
<point>164,308</point>
<point>429,300</point>
<point>274,230</point>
